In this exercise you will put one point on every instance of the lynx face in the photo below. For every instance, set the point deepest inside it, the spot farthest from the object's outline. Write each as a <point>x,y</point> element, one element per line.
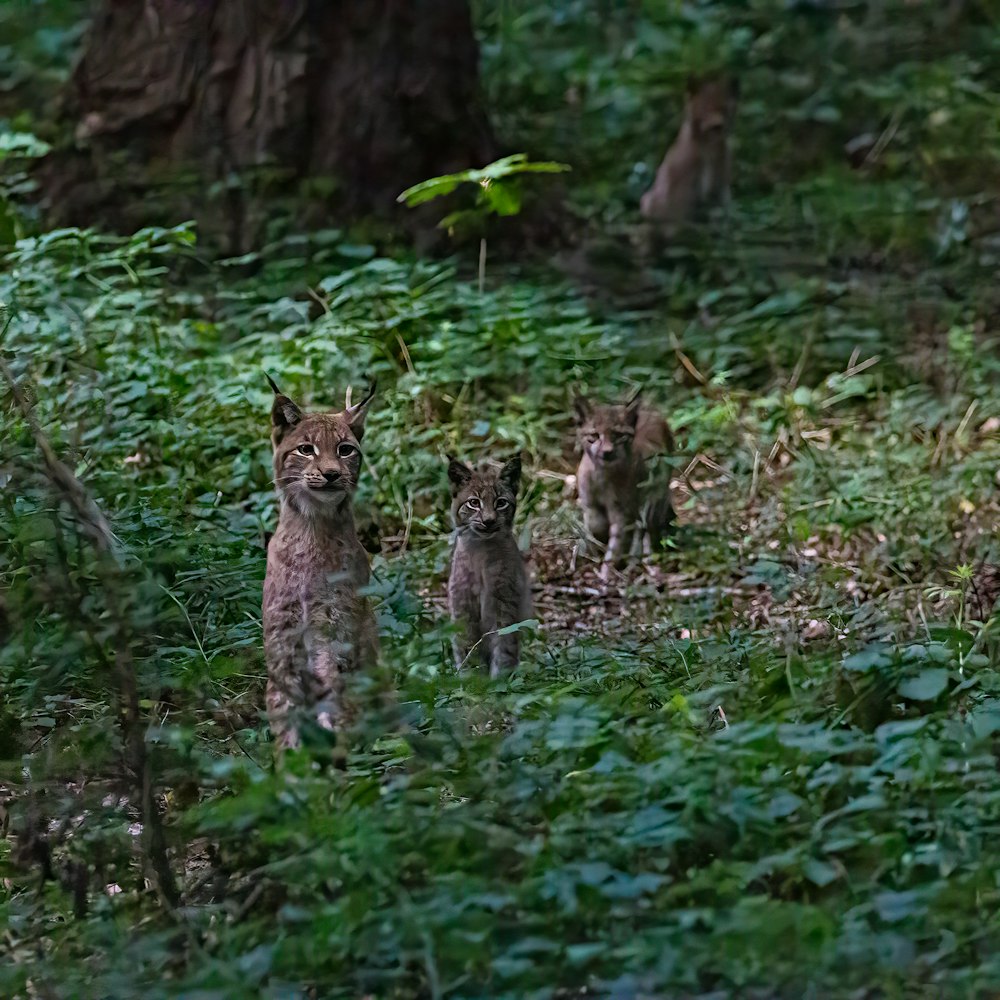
<point>606,433</point>
<point>711,105</point>
<point>484,500</point>
<point>317,456</point>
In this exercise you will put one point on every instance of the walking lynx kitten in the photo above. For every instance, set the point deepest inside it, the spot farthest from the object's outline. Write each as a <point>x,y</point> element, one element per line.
<point>317,626</point>
<point>696,170</point>
<point>488,586</point>
<point>623,483</point>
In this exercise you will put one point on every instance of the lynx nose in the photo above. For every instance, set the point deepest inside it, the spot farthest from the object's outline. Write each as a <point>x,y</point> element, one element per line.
<point>607,454</point>
<point>331,476</point>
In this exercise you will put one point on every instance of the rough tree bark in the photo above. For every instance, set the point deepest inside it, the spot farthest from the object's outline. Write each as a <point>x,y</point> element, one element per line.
<point>219,109</point>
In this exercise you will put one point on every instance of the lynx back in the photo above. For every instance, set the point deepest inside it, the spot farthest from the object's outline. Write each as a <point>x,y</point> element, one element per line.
<point>318,626</point>
<point>488,586</point>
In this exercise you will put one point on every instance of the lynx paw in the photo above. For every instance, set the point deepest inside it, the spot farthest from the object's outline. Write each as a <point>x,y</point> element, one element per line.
<point>606,572</point>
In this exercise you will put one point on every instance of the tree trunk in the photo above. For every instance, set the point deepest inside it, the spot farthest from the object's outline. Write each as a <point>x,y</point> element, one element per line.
<point>233,111</point>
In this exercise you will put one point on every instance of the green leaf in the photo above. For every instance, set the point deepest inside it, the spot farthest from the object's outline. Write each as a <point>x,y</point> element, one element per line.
<point>578,954</point>
<point>464,219</point>
<point>985,718</point>
<point>435,187</point>
<point>958,638</point>
<point>869,658</point>
<point>784,804</point>
<point>899,729</point>
<point>21,144</point>
<point>504,199</point>
<point>507,166</point>
<point>925,686</point>
<point>818,872</point>
<point>528,623</point>
<point>895,906</point>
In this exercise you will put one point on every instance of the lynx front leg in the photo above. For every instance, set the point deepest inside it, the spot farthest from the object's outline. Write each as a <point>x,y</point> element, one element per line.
<point>611,553</point>
<point>505,654</point>
<point>506,602</point>
<point>599,529</point>
<point>461,647</point>
<point>657,519</point>
<point>463,604</point>
<point>651,541</point>
<point>468,642</point>
<point>595,522</point>
<point>285,652</point>
<point>725,183</point>
<point>369,646</point>
<point>284,697</point>
<point>327,685</point>
<point>619,543</point>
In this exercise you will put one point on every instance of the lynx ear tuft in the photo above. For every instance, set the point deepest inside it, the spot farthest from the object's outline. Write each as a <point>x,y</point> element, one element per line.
<point>284,413</point>
<point>357,412</point>
<point>581,407</point>
<point>632,408</point>
<point>510,474</point>
<point>458,474</point>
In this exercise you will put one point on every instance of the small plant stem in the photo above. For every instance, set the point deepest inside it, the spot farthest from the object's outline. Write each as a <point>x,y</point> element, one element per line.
<point>482,265</point>
<point>94,526</point>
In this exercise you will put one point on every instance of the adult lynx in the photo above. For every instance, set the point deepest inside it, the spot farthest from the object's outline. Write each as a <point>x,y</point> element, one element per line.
<point>317,625</point>
<point>488,586</point>
<point>695,173</point>
<point>623,479</point>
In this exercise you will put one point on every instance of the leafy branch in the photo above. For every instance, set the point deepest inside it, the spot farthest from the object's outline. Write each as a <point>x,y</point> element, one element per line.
<point>496,194</point>
<point>93,525</point>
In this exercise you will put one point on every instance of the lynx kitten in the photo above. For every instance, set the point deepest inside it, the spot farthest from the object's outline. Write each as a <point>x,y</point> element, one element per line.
<point>695,172</point>
<point>488,585</point>
<point>317,626</point>
<point>622,480</point>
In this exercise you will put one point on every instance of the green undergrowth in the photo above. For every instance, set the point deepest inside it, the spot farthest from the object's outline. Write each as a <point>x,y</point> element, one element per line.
<point>594,821</point>
<point>768,768</point>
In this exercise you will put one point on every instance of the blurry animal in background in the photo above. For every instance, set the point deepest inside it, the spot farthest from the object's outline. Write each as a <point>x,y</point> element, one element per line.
<point>318,626</point>
<point>623,480</point>
<point>488,585</point>
<point>695,173</point>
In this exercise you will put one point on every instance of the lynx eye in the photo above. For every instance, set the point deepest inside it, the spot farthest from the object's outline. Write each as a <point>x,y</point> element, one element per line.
<point>473,502</point>
<point>502,504</point>
<point>308,450</point>
<point>345,449</point>
<point>590,438</point>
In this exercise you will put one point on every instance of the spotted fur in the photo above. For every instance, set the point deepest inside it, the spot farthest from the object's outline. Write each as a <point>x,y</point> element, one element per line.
<point>488,586</point>
<point>695,172</point>
<point>317,625</point>
<point>623,479</point>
